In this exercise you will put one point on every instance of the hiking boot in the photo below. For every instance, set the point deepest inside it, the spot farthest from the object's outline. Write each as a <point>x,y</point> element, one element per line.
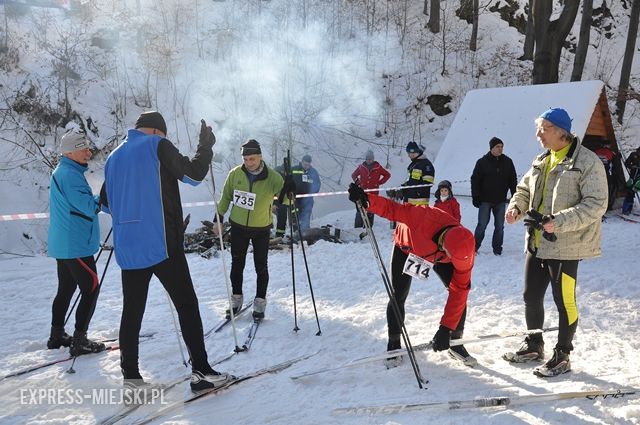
<point>558,365</point>
<point>458,352</point>
<point>209,380</point>
<point>529,351</point>
<point>363,235</point>
<point>259,305</point>
<point>82,345</point>
<point>58,338</point>
<point>236,304</point>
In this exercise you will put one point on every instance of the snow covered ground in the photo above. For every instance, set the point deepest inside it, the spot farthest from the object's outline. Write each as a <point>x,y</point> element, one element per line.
<point>351,302</point>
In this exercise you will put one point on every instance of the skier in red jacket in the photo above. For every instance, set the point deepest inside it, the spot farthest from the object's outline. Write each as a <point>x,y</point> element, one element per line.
<point>426,237</point>
<point>369,175</point>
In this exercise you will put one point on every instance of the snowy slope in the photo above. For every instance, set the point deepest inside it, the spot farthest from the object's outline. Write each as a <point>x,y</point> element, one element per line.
<point>351,302</point>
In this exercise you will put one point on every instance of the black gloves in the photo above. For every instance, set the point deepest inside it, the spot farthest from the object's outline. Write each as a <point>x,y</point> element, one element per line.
<point>441,339</point>
<point>391,193</point>
<point>476,202</point>
<point>357,194</point>
<point>206,139</point>
<point>536,220</point>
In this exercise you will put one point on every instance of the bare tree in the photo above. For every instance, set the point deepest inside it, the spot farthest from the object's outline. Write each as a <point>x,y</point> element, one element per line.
<point>434,18</point>
<point>473,43</point>
<point>550,37</point>
<point>583,42</point>
<point>529,35</point>
<point>425,9</point>
<point>628,60</point>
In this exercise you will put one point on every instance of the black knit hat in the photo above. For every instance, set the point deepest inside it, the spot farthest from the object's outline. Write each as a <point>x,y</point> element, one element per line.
<point>413,147</point>
<point>251,147</point>
<point>495,141</point>
<point>152,119</point>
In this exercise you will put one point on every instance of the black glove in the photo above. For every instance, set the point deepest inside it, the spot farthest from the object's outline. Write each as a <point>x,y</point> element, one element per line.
<point>536,221</point>
<point>206,139</point>
<point>357,194</point>
<point>441,339</point>
<point>289,186</point>
<point>476,202</point>
<point>391,193</point>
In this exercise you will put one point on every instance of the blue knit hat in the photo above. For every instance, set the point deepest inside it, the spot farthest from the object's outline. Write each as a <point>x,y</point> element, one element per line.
<point>558,117</point>
<point>413,147</point>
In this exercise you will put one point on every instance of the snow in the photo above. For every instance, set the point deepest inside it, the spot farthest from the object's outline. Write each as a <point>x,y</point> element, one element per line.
<point>351,302</point>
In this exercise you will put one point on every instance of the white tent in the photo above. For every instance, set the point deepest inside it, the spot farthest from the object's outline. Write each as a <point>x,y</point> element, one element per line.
<point>509,113</point>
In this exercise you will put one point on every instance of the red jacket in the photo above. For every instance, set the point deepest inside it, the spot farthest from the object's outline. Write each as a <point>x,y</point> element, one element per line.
<point>371,179</point>
<point>451,206</point>
<point>417,226</point>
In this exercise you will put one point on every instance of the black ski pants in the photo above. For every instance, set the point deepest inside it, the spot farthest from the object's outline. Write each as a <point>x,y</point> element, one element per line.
<point>562,274</point>
<point>401,284</point>
<point>174,275</point>
<point>240,239</point>
<point>72,273</point>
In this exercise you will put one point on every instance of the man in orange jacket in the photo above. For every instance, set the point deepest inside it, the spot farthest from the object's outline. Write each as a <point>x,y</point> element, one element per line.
<point>425,238</point>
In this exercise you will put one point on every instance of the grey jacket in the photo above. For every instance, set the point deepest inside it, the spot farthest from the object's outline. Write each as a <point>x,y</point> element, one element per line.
<point>576,194</point>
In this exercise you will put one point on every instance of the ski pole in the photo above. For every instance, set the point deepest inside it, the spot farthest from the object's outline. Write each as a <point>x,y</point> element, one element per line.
<point>224,265</point>
<point>392,296</point>
<point>97,258</point>
<point>93,306</point>
<point>175,327</point>
<point>287,172</point>
<point>306,266</point>
<point>293,272</point>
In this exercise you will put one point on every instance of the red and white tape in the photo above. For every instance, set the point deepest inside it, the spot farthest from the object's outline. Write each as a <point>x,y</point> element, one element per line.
<point>35,216</point>
<point>31,216</point>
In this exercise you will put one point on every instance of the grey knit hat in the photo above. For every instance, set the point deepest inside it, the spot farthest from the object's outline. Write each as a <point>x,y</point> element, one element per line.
<point>72,141</point>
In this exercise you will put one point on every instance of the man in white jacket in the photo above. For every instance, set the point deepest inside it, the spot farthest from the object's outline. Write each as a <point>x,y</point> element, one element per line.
<point>564,195</point>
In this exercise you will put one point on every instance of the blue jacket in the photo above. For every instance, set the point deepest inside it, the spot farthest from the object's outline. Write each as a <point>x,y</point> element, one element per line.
<point>141,193</point>
<point>73,224</point>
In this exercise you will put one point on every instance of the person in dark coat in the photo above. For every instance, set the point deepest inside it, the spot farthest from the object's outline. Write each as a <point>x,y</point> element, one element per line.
<point>420,172</point>
<point>493,176</point>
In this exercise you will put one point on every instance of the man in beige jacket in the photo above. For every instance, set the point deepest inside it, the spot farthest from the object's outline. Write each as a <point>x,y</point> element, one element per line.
<point>564,195</point>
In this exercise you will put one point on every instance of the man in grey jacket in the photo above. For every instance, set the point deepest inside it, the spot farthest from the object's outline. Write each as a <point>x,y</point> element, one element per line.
<point>564,195</point>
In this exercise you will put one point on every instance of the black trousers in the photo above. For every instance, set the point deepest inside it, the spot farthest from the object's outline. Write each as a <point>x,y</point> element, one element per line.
<point>401,284</point>
<point>174,275</point>
<point>72,273</point>
<point>359,222</point>
<point>281,224</point>
<point>562,275</point>
<point>240,239</point>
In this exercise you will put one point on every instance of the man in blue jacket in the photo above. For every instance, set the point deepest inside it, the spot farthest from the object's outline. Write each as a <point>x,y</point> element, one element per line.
<point>141,193</point>
<point>74,236</point>
<point>307,180</point>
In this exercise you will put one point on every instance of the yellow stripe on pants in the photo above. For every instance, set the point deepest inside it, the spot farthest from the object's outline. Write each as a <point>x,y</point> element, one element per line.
<point>569,297</point>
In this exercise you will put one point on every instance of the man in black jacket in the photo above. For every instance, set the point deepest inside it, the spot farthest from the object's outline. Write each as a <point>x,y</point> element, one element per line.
<point>420,172</point>
<point>493,175</point>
